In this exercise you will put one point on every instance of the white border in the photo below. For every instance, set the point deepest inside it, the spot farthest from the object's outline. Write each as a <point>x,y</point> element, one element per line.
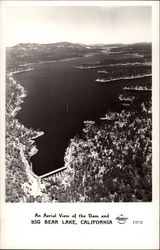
<point>17,232</point>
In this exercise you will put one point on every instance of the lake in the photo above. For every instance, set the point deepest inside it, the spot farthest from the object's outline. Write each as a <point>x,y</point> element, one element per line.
<point>59,99</point>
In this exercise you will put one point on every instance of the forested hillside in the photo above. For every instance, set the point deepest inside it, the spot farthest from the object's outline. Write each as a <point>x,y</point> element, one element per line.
<point>112,162</point>
<point>21,183</point>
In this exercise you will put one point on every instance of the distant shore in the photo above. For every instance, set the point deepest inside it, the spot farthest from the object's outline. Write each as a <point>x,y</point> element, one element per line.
<point>53,61</point>
<point>122,78</point>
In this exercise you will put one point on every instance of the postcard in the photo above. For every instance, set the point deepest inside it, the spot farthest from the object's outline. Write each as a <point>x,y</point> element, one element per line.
<point>79,124</point>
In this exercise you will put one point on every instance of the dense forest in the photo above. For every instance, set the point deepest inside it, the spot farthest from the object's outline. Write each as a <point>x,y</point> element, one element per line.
<point>110,163</point>
<point>20,180</point>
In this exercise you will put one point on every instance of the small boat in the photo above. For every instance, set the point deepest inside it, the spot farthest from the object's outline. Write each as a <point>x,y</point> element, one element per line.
<point>67,108</point>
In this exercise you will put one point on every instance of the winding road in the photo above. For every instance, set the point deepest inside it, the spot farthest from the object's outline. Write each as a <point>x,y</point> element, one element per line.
<point>36,184</point>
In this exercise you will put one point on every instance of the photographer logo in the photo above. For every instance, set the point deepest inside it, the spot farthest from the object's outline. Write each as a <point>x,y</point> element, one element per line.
<point>121,219</point>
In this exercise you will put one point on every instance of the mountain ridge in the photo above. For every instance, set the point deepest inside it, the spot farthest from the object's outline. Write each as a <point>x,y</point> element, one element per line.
<point>67,44</point>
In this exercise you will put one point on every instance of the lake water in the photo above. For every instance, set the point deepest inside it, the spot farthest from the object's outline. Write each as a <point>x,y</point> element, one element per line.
<point>59,99</point>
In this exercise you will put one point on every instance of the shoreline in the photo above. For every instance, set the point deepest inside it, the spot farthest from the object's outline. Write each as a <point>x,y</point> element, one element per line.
<point>112,65</point>
<point>20,98</point>
<point>39,133</point>
<point>122,78</point>
<point>53,61</point>
<point>20,71</point>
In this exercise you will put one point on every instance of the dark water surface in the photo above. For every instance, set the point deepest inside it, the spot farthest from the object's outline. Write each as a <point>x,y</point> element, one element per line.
<point>59,99</point>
